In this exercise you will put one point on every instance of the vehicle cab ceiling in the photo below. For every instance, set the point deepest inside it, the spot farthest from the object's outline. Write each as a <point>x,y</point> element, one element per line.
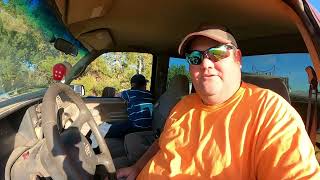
<point>158,26</point>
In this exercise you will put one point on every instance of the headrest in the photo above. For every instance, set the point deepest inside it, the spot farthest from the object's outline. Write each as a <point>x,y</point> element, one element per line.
<point>179,85</point>
<point>275,84</point>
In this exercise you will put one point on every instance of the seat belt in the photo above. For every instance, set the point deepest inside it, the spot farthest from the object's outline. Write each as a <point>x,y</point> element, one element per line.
<point>312,120</point>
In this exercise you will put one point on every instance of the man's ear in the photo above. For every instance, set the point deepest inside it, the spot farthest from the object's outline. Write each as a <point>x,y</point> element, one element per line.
<point>238,56</point>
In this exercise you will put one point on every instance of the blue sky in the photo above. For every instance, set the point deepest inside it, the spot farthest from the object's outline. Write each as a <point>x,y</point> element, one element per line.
<point>283,65</point>
<point>316,4</point>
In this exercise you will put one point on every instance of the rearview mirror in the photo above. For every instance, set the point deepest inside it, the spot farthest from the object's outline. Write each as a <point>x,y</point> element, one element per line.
<point>78,88</point>
<point>66,47</point>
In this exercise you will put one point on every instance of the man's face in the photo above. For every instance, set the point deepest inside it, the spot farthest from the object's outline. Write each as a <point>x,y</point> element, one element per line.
<point>217,80</point>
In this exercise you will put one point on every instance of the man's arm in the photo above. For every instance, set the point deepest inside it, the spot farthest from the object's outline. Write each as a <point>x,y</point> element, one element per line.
<point>133,171</point>
<point>153,149</point>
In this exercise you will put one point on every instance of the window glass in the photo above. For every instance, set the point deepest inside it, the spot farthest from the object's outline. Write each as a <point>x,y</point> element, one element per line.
<point>291,67</point>
<point>177,66</point>
<point>115,70</point>
<point>27,30</point>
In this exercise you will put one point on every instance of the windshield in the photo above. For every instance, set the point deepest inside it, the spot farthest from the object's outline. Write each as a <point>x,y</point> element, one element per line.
<point>27,30</point>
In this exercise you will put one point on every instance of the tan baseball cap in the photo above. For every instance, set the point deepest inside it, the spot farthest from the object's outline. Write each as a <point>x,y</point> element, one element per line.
<point>215,33</point>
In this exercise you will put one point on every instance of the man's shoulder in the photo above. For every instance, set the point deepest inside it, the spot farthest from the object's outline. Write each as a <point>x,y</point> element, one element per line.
<point>124,93</point>
<point>189,100</point>
<point>258,94</point>
<point>134,92</point>
<point>139,91</point>
<point>256,90</point>
<point>269,102</point>
<point>139,96</point>
<point>252,87</point>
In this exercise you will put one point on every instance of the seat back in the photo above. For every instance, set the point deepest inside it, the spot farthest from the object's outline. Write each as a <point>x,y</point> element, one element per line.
<point>178,87</point>
<point>275,84</point>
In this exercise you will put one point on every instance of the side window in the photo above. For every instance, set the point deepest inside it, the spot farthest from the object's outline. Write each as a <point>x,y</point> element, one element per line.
<point>177,66</point>
<point>290,67</point>
<point>115,70</point>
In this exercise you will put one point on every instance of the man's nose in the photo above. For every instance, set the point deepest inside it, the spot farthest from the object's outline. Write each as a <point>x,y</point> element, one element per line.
<point>207,63</point>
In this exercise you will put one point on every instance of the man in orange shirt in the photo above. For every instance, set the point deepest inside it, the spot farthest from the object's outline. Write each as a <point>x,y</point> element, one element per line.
<point>228,129</point>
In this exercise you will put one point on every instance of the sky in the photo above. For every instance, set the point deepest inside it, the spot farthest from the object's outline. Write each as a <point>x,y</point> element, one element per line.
<point>316,4</point>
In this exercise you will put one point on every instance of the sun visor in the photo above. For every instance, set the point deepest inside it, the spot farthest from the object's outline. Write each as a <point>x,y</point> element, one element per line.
<point>94,9</point>
<point>98,39</point>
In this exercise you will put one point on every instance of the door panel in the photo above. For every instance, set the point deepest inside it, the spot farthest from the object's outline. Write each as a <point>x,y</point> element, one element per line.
<point>302,108</point>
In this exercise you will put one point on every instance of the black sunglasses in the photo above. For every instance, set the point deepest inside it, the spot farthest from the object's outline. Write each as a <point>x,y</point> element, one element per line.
<point>214,53</point>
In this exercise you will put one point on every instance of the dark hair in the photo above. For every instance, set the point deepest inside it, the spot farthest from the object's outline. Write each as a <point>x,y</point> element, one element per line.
<point>108,92</point>
<point>138,81</point>
<point>138,85</point>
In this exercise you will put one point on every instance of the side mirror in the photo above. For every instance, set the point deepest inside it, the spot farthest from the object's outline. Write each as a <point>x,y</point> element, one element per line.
<point>78,88</point>
<point>66,47</point>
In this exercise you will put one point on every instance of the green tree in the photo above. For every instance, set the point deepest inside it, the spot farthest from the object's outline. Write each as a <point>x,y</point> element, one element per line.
<point>27,57</point>
<point>114,69</point>
<point>175,70</point>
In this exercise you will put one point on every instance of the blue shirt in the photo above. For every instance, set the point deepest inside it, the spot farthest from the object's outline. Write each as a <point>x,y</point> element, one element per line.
<point>139,107</point>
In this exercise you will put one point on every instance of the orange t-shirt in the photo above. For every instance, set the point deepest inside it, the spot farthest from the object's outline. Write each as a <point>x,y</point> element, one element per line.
<point>255,134</point>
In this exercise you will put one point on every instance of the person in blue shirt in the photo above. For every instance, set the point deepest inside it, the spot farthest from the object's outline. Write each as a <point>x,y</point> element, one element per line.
<point>139,107</point>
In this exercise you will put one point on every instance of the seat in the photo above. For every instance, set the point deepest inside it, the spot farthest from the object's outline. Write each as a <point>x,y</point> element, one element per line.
<point>275,84</point>
<point>137,143</point>
<point>178,87</point>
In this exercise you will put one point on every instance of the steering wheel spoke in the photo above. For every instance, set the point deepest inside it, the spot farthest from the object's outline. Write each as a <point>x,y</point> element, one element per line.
<point>81,119</point>
<point>106,160</point>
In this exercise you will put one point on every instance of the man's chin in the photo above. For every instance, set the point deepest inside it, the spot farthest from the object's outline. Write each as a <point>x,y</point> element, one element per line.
<point>210,92</point>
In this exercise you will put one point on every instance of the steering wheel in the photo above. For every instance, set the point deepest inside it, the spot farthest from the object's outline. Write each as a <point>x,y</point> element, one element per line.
<point>70,155</point>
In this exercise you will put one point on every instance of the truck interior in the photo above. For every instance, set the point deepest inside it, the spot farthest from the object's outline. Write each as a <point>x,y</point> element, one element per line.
<point>33,146</point>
